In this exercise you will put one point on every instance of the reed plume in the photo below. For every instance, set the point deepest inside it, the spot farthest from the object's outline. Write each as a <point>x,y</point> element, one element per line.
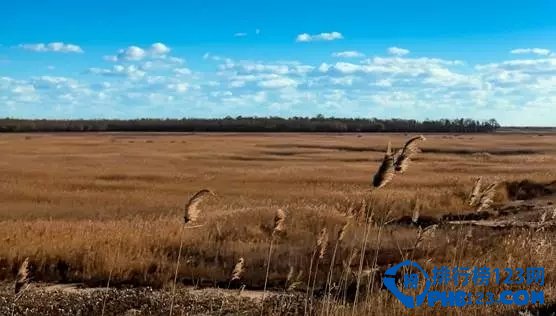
<point>22,278</point>
<point>487,197</point>
<point>403,156</point>
<point>238,270</point>
<point>279,227</point>
<point>192,213</point>
<point>475,193</point>
<point>192,210</point>
<point>279,222</point>
<point>385,172</point>
<point>322,242</point>
<point>320,249</point>
<point>480,198</point>
<point>339,238</point>
<point>425,234</point>
<point>415,216</point>
<point>342,231</point>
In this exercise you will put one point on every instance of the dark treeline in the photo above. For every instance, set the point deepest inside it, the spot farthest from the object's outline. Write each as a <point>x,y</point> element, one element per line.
<point>251,124</point>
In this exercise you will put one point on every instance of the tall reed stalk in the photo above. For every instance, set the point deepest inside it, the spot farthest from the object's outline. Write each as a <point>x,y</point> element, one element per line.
<point>110,275</point>
<point>191,216</point>
<point>339,238</point>
<point>279,227</point>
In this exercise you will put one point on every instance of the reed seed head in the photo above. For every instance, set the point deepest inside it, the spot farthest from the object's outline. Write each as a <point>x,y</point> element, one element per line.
<point>385,172</point>
<point>22,278</point>
<point>279,222</point>
<point>403,156</point>
<point>322,242</point>
<point>238,270</point>
<point>342,231</point>
<point>192,210</point>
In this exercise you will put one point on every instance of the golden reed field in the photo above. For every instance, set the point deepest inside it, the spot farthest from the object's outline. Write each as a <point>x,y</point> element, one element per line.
<point>93,208</point>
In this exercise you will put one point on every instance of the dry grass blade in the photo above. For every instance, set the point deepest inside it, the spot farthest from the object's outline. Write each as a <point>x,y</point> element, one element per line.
<point>22,278</point>
<point>487,197</point>
<point>385,172</point>
<point>403,157</point>
<point>290,275</point>
<point>475,193</point>
<point>238,270</point>
<point>192,210</point>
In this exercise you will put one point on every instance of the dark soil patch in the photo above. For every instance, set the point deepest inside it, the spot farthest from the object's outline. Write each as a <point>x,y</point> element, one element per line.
<point>527,190</point>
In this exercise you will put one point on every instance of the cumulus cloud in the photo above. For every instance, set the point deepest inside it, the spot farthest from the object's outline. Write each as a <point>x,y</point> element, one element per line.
<point>130,71</point>
<point>240,34</point>
<point>132,53</point>
<point>535,51</point>
<point>277,83</point>
<point>252,67</point>
<point>179,87</point>
<point>391,66</point>
<point>348,54</point>
<point>23,89</point>
<point>396,51</point>
<point>159,49</point>
<point>305,37</point>
<point>57,47</point>
<point>182,71</point>
<point>136,53</point>
<point>53,82</point>
<point>148,77</point>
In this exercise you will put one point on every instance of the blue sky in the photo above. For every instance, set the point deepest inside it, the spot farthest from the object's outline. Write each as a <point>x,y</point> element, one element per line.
<point>408,59</point>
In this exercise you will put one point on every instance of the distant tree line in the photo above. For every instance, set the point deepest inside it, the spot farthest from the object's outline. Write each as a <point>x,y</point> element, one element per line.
<point>252,124</point>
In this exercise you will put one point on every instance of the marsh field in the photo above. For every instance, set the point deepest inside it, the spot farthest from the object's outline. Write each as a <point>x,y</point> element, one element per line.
<point>90,208</point>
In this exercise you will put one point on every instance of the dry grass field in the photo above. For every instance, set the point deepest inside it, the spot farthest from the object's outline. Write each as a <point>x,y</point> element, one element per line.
<point>89,207</point>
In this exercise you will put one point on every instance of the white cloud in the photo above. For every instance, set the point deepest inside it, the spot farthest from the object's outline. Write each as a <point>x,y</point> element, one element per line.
<point>179,87</point>
<point>159,49</point>
<point>252,67</point>
<point>53,82</point>
<point>324,67</point>
<point>396,51</point>
<point>348,54</point>
<point>57,47</point>
<point>277,83</point>
<point>305,37</point>
<point>136,53</point>
<point>130,71</point>
<point>182,71</point>
<point>535,51</point>
<point>132,53</point>
<point>111,58</point>
<point>383,83</point>
<point>240,34</point>
<point>24,89</point>
<point>377,86</point>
